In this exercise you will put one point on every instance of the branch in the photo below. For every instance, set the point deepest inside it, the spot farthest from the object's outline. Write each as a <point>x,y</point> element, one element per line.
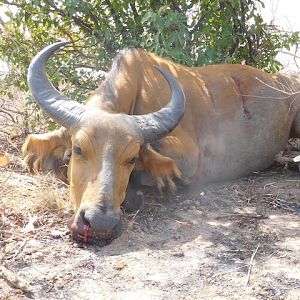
<point>9,114</point>
<point>114,15</point>
<point>77,66</point>
<point>134,11</point>
<point>86,27</point>
<point>289,53</point>
<point>198,24</point>
<point>204,12</point>
<point>82,24</point>
<point>175,6</point>
<point>236,43</point>
<point>15,281</point>
<point>250,266</point>
<point>2,23</point>
<point>12,3</point>
<point>252,50</point>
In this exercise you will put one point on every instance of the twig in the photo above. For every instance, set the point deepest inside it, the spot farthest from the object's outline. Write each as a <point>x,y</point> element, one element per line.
<point>292,180</point>
<point>132,221</point>
<point>6,179</point>
<point>8,113</point>
<point>276,89</point>
<point>269,184</point>
<point>15,281</point>
<point>289,53</point>
<point>285,95</point>
<point>20,248</point>
<point>243,215</point>
<point>250,266</point>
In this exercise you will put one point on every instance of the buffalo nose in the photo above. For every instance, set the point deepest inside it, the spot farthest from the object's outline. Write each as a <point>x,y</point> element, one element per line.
<point>98,224</point>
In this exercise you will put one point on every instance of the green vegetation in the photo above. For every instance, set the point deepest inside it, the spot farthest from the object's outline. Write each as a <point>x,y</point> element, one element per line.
<point>190,32</point>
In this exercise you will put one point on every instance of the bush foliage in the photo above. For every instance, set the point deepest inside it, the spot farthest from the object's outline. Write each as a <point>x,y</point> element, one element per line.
<point>190,32</point>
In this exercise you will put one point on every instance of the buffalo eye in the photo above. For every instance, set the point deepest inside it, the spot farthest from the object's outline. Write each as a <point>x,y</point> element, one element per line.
<point>77,150</point>
<point>133,161</point>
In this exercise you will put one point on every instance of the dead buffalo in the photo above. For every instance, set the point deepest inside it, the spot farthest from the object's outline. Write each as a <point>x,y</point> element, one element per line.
<point>235,119</point>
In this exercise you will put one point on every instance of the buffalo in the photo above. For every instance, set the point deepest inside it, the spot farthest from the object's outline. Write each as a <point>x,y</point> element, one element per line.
<point>156,122</point>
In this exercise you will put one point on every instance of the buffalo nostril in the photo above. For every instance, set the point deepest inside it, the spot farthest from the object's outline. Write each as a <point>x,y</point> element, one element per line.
<point>84,219</point>
<point>80,225</point>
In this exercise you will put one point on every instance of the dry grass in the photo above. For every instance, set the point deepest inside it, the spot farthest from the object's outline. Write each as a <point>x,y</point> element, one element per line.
<point>34,194</point>
<point>29,205</point>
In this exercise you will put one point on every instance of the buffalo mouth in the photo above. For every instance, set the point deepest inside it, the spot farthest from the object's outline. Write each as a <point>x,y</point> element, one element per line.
<point>99,239</point>
<point>86,235</point>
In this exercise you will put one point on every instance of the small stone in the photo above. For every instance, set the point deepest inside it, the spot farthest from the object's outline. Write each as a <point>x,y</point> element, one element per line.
<point>120,265</point>
<point>57,234</point>
<point>178,254</point>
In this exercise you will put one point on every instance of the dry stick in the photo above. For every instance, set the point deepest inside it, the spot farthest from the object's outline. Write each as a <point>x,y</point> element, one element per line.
<point>286,95</point>
<point>276,89</point>
<point>282,91</point>
<point>20,248</point>
<point>15,281</point>
<point>289,53</point>
<point>133,219</point>
<point>250,266</point>
<point>6,179</point>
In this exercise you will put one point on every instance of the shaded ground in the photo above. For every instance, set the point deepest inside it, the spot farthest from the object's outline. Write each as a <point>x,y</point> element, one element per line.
<point>239,240</point>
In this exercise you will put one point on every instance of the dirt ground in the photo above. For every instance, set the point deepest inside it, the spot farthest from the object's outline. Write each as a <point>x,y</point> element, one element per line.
<point>235,240</point>
<point>239,240</point>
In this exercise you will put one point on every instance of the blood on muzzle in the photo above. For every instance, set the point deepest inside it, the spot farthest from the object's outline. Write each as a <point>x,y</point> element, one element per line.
<point>93,224</point>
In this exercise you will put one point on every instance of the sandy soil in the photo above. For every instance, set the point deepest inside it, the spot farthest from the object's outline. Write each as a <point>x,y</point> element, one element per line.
<point>239,240</point>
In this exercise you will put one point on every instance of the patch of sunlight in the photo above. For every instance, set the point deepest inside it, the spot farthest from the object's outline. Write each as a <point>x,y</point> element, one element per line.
<point>217,223</point>
<point>281,267</point>
<point>283,220</point>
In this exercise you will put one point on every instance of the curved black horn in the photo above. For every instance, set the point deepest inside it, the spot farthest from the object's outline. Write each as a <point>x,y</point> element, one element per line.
<point>158,124</point>
<point>64,111</point>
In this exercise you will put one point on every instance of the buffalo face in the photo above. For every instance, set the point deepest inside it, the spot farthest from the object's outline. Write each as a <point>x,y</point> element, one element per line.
<point>104,155</point>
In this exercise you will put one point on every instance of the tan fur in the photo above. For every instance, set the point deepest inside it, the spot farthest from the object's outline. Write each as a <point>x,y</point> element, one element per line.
<point>162,168</point>
<point>47,153</point>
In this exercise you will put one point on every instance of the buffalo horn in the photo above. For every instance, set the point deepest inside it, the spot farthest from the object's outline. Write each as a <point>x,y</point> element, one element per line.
<point>65,112</point>
<point>156,125</point>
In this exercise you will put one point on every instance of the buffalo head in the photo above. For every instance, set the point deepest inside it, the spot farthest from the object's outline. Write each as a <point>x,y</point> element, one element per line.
<point>105,147</point>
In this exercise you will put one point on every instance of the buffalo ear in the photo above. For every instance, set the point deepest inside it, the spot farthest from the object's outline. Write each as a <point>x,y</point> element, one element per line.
<point>48,152</point>
<point>161,167</point>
